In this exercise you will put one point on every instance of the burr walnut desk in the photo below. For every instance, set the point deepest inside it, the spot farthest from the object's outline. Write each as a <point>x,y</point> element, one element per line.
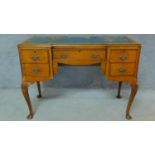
<point>117,57</point>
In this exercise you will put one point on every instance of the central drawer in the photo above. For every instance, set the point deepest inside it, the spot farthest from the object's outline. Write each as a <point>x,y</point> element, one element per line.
<point>91,55</point>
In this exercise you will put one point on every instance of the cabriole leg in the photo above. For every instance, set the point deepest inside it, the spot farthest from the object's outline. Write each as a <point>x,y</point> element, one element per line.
<point>134,89</point>
<point>119,90</point>
<point>24,88</point>
<point>39,90</point>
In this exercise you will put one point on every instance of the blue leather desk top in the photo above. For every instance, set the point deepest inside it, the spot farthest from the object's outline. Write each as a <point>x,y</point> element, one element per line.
<point>80,39</point>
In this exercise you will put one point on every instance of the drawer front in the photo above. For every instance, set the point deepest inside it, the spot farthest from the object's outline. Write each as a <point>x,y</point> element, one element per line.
<point>36,70</point>
<point>120,69</point>
<point>65,54</point>
<point>80,55</point>
<point>93,54</point>
<point>123,55</point>
<point>34,56</point>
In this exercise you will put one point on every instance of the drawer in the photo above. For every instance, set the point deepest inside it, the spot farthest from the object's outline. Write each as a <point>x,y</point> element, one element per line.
<point>36,70</point>
<point>65,54</point>
<point>34,56</point>
<point>123,55</point>
<point>119,69</point>
<point>80,54</point>
<point>93,54</point>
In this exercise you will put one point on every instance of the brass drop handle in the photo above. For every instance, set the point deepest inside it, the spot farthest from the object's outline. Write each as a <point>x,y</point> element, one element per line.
<point>94,56</point>
<point>64,56</point>
<point>35,58</point>
<point>121,70</point>
<point>36,70</point>
<point>123,58</point>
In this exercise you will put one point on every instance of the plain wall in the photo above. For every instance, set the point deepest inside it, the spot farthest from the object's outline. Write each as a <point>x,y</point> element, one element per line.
<point>78,77</point>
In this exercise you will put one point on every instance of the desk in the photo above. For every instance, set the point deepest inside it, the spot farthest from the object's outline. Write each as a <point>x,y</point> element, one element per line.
<point>117,56</point>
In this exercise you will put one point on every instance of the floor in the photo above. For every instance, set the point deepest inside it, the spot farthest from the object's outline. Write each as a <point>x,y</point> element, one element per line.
<point>76,105</point>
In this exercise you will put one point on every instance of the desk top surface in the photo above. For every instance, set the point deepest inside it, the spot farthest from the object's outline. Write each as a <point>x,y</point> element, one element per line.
<point>79,39</point>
